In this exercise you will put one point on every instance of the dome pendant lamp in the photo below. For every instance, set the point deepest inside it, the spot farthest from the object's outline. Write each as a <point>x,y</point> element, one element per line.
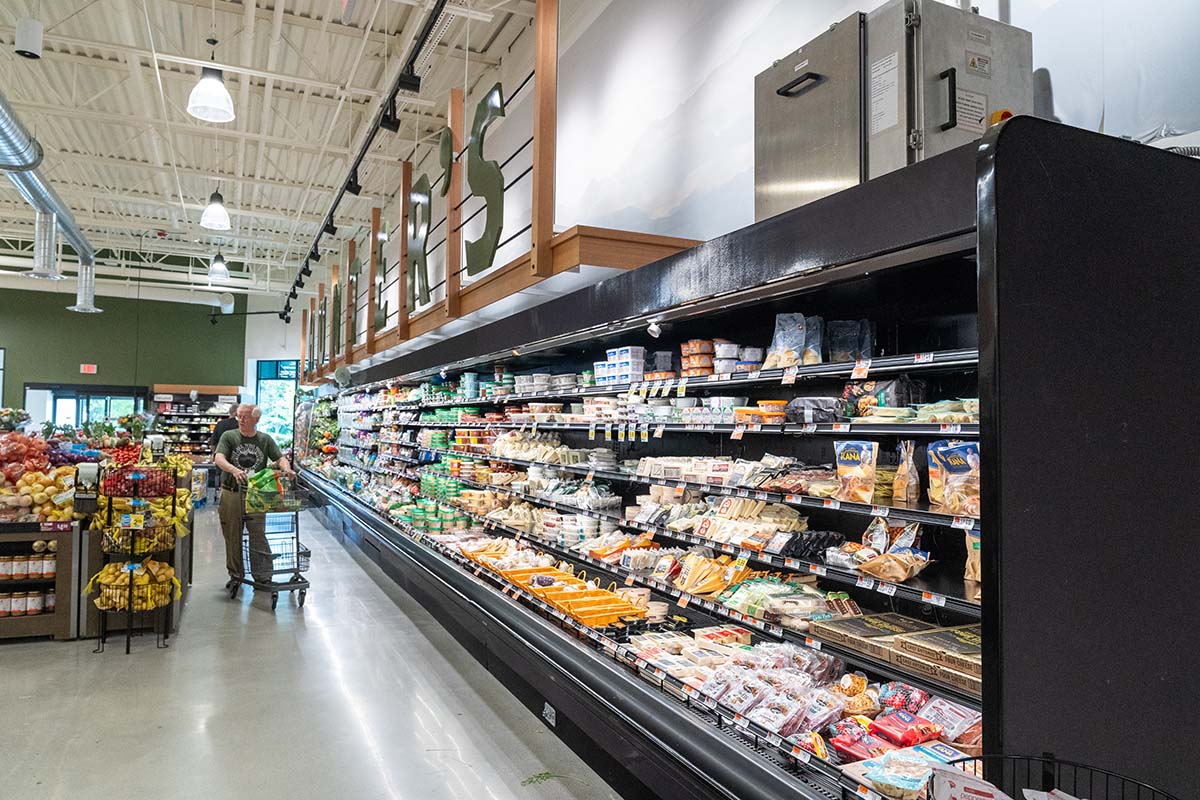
<point>210,101</point>
<point>215,217</point>
<point>217,271</point>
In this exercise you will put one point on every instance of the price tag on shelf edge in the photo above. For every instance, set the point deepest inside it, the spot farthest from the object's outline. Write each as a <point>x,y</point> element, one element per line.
<point>880,511</point>
<point>963,523</point>
<point>861,368</point>
<point>658,431</point>
<point>681,388</point>
<point>800,754</point>
<point>886,588</point>
<point>592,432</point>
<point>683,600</point>
<point>831,503</point>
<point>738,432</point>
<point>951,428</point>
<point>933,598</point>
<point>645,432</point>
<point>789,376</point>
<point>864,582</point>
<point>608,432</point>
<point>923,358</point>
<point>817,569</point>
<point>621,432</point>
<point>629,580</point>
<point>811,642</point>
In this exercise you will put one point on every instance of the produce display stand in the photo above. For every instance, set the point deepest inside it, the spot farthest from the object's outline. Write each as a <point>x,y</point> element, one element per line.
<point>19,537</point>
<point>132,546</point>
<point>277,511</point>
<point>995,271</point>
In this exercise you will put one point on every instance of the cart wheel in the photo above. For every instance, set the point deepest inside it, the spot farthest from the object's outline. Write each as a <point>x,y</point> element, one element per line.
<point>274,600</point>
<point>301,597</point>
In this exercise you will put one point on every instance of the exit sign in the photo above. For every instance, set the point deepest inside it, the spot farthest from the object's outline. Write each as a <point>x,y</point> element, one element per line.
<point>87,369</point>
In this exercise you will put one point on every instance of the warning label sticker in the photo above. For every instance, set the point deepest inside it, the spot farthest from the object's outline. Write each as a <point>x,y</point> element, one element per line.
<point>979,64</point>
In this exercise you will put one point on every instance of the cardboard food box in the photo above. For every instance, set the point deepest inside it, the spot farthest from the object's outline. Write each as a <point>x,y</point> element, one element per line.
<point>957,648</point>
<point>939,672</point>
<point>871,634</point>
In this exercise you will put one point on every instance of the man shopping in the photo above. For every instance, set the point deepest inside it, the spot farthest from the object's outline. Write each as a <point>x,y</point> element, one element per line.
<point>241,453</point>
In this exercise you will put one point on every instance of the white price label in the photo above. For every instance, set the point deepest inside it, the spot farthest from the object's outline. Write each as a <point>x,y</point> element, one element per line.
<point>743,493</point>
<point>791,563</point>
<point>773,739</point>
<point>861,368</point>
<point>923,358</point>
<point>864,582</point>
<point>800,754</point>
<point>791,498</point>
<point>867,794</point>
<point>741,722</point>
<point>713,378</point>
<point>683,601</point>
<point>886,588</point>
<point>658,431</point>
<point>761,495</point>
<point>950,429</point>
<point>645,433</point>
<point>738,432</point>
<point>789,376</point>
<point>829,502</point>
<point>811,642</point>
<point>817,569</point>
<point>880,511</point>
<point>963,523</point>
<point>841,427</point>
<point>933,599</point>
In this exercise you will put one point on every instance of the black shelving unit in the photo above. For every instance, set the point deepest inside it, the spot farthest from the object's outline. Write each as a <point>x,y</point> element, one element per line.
<point>1057,265</point>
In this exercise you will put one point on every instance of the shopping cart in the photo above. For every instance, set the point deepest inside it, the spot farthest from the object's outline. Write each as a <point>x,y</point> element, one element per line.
<point>271,541</point>
<point>1014,774</point>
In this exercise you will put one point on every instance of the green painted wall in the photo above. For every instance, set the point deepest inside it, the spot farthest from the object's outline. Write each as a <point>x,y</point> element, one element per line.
<point>133,343</point>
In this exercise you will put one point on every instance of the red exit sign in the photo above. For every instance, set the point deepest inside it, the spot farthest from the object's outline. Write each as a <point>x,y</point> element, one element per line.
<point>87,369</point>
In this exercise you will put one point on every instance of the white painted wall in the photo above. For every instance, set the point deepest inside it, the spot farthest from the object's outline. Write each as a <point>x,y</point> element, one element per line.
<point>656,105</point>
<point>267,339</point>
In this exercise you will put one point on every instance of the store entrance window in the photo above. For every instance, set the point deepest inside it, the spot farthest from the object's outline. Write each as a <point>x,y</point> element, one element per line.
<point>276,393</point>
<point>74,405</point>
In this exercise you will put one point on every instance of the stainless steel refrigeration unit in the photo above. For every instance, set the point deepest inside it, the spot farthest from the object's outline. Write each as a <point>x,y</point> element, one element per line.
<point>879,91</point>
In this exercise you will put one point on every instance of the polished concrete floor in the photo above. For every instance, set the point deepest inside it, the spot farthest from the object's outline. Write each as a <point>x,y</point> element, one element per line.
<point>360,694</point>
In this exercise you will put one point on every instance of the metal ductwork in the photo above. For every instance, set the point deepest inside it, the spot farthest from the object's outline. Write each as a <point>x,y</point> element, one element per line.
<point>20,156</point>
<point>85,289</point>
<point>45,247</point>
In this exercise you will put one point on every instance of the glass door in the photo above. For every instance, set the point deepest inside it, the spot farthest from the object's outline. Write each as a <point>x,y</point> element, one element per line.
<point>276,392</point>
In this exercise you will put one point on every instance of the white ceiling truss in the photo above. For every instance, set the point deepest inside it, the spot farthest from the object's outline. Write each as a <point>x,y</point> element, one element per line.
<point>107,102</point>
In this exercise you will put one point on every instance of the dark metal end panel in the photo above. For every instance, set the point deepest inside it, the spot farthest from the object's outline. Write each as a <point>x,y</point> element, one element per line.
<point>1088,330</point>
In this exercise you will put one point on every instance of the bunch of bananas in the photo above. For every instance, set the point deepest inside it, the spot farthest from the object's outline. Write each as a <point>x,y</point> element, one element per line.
<point>154,585</point>
<point>157,510</point>
<point>178,462</point>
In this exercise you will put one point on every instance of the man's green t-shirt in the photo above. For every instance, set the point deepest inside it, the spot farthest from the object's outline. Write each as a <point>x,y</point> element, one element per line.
<point>250,453</point>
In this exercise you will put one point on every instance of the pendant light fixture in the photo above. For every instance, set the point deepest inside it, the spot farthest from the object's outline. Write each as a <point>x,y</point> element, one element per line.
<point>210,100</point>
<point>215,217</point>
<point>217,271</point>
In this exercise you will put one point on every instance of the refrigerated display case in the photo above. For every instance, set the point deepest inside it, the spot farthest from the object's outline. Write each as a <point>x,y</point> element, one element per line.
<point>992,272</point>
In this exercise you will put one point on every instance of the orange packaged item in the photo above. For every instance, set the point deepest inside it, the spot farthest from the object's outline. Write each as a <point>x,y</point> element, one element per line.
<point>773,417</point>
<point>747,415</point>
<point>697,373</point>
<point>772,405</point>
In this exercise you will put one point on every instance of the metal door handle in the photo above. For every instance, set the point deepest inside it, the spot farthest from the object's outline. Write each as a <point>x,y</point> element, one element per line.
<point>796,85</point>
<point>952,97</point>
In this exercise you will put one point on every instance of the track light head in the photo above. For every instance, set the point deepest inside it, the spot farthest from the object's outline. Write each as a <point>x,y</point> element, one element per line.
<point>390,121</point>
<point>654,329</point>
<point>283,316</point>
<point>352,184</point>
<point>306,270</point>
<point>314,256</point>
<point>330,228</point>
<point>292,293</point>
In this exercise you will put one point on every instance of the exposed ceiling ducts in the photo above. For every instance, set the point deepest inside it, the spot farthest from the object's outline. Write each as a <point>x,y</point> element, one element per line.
<point>20,156</point>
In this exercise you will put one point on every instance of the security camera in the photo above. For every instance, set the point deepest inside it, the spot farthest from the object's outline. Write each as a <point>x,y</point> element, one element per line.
<point>29,38</point>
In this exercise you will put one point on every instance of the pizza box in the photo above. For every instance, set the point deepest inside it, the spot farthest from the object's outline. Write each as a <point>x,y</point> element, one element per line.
<point>871,634</point>
<point>957,648</point>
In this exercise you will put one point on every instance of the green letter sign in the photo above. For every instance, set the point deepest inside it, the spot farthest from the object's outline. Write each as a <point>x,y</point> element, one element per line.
<point>336,344</point>
<point>446,157</point>
<point>486,181</point>
<point>418,237</point>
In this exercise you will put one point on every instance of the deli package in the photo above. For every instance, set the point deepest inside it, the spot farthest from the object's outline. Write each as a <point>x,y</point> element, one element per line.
<point>954,476</point>
<point>856,470</point>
